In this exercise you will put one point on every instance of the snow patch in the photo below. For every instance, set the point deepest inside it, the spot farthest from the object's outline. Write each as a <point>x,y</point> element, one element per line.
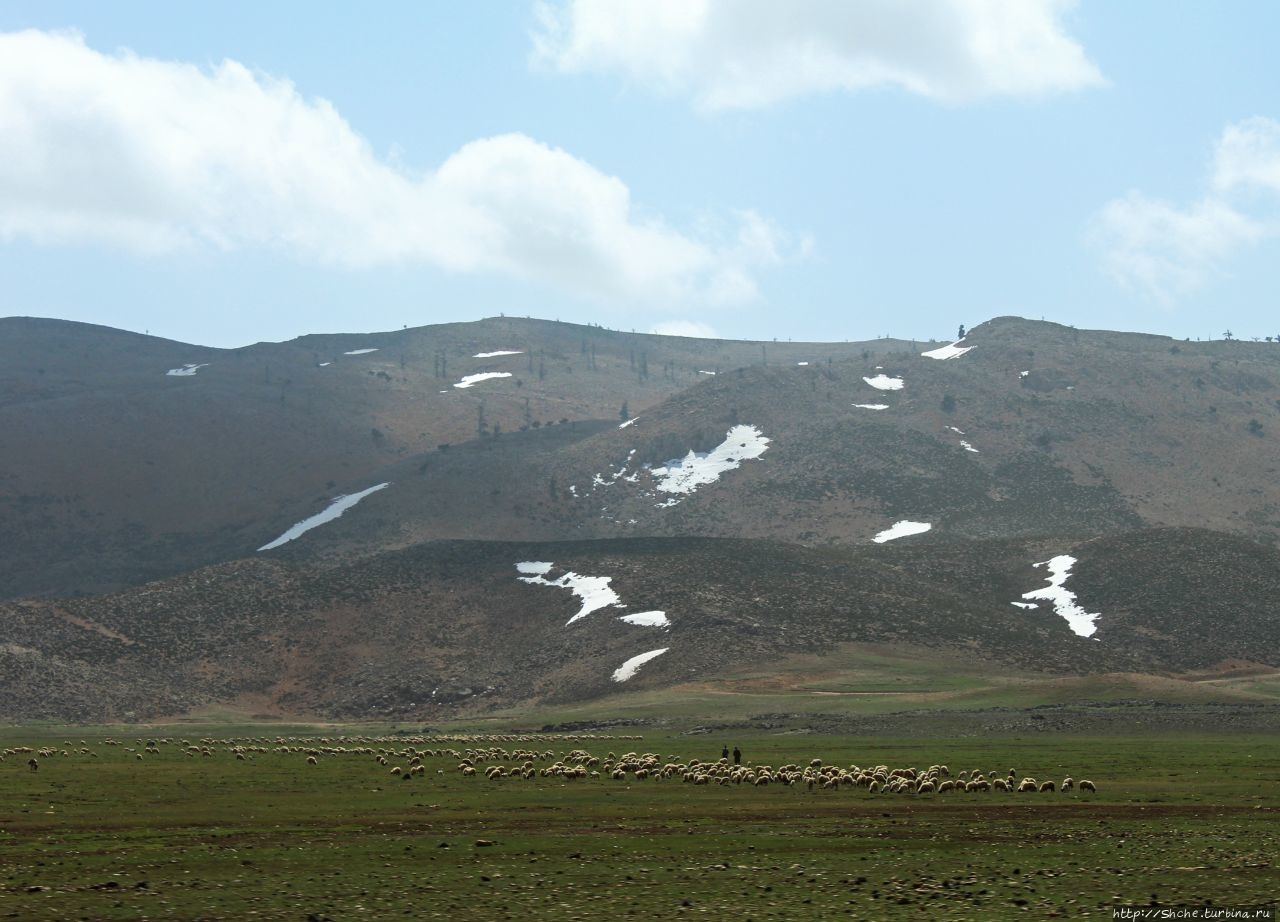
<point>628,422</point>
<point>684,475</point>
<point>1025,604</point>
<point>872,406</point>
<point>953,351</point>
<point>885,383</point>
<point>325,364</point>
<point>593,591</point>
<point>186,371</point>
<point>647,619</point>
<point>706,372</point>
<point>1023,374</point>
<point>536,567</point>
<point>1064,601</point>
<point>339,505</point>
<point>967,447</point>
<point>494,355</point>
<point>955,430</point>
<point>901,530</point>
<point>482,376</point>
<point>802,363</point>
<point>630,667</point>
<point>360,351</point>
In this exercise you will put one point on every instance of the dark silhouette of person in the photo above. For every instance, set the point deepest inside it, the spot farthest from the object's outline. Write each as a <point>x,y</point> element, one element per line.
<point>961,336</point>
<point>724,753</point>
<point>737,756</point>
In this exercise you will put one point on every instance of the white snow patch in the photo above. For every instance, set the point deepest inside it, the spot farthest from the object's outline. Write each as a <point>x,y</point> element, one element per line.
<point>967,447</point>
<point>885,383</point>
<point>494,355</point>
<point>536,567</point>
<point>573,490</point>
<point>629,668</point>
<point>186,371</point>
<point>647,619</point>
<point>954,429</point>
<point>482,376</point>
<point>360,351</point>
<point>628,422</point>
<point>1064,601</point>
<point>741,443</point>
<point>1023,374</point>
<point>339,505</point>
<point>872,406</point>
<point>952,351</point>
<point>325,364</point>
<point>594,591</point>
<point>1025,604</point>
<point>901,530</point>
<point>802,363</point>
<point>667,505</point>
<point>706,372</point>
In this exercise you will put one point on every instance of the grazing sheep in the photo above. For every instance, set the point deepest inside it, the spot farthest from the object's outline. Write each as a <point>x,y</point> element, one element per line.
<point>1046,786</point>
<point>1086,785</point>
<point>311,760</point>
<point>33,765</point>
<point>1028,784</point>
<point>1066,784</point>
<point>1000,785</point>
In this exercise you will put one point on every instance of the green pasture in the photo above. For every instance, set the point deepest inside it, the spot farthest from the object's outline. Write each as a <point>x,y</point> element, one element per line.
<point>105,835</point>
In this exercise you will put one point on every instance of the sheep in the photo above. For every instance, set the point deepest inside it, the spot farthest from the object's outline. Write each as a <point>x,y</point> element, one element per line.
<point>1066,785</point>
<point>1000,785</point>
<point>1086,785</point>
<point>1046,786</point>
<point>33,765</point>
<point>311,760</point>
<point>1028,784</point>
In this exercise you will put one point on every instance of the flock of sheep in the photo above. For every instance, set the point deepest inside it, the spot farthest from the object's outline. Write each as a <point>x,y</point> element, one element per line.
<point>409,757</point>
<point>815,775</point>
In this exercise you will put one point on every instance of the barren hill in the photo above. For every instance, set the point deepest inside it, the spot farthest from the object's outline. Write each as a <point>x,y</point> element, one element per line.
<point>332,526</point>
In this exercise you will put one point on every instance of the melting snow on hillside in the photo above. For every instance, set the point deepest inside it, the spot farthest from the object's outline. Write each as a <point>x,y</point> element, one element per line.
<point>360,351</point>
<point>593,591</point>
<point>1064,601</point>
<point>706,372</point>
<point>627,423</point>
<point>482,376</point>
<point>885,383</point>
<point>741,443</point>
<point>631,666</point>
<point>901,530</point>
<point>647,619</point>
<point>339,505</point>
<point>186,371</point>
<point>953,351</point>
<point>967,447</point>
<point>494,355</point>
<point>872,406</point>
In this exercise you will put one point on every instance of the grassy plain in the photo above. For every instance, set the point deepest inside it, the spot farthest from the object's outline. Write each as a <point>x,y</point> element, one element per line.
<point>104,834</point>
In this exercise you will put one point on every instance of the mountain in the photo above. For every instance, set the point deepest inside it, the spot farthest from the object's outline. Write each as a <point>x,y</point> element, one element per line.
<point>177,544</point>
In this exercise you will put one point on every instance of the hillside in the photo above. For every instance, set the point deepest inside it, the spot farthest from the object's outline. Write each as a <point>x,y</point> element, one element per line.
<point>332,526</point>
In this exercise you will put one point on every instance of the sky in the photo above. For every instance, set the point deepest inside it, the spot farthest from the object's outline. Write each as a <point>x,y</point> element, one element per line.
<point>229,173</point>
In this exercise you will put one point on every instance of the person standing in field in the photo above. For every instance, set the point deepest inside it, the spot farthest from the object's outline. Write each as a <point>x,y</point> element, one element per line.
<point>724,753</point>
<point>737,756</point>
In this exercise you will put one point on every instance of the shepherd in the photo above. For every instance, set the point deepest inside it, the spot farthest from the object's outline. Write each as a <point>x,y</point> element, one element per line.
<point>737,756</point>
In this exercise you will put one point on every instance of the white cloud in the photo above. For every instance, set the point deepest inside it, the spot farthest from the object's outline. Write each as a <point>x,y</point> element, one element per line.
<point>743,54</point>
<point>692,328</point>
<point>155,156</point>
<point>1167,251</point>
<point>1248,156</point>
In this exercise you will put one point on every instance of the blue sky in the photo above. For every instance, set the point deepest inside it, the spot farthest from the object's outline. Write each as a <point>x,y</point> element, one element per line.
<point>229,173</point>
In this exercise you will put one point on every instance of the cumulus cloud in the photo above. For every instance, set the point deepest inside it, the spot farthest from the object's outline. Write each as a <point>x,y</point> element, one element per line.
<point>744,54</point>
<point>1167,251</point>
<point>155,156</point>
<point>691,328</point>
